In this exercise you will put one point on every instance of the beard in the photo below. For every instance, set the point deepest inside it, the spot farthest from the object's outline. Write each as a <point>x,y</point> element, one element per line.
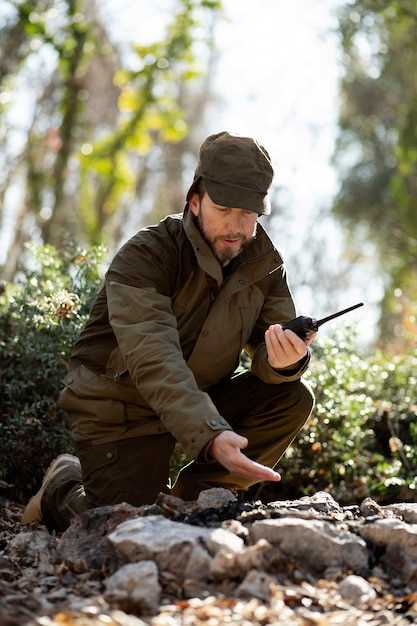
<point>224,253</point>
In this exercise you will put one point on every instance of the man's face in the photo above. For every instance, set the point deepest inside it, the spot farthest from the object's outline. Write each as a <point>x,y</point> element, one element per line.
<point>227,230</point>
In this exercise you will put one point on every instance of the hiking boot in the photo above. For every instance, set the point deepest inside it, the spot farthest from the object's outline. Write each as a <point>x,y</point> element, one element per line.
<point>60,465</point>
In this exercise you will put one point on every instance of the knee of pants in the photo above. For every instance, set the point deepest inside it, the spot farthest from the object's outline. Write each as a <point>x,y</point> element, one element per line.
<point>306,400</point>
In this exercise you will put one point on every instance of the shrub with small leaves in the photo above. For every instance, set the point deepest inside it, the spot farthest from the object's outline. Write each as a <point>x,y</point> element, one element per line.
<point>361,439</point>
<point>41,316</point>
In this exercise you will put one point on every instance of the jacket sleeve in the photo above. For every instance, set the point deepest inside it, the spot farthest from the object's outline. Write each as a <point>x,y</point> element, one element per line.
<point>278,308</point>
<point>138,288</point>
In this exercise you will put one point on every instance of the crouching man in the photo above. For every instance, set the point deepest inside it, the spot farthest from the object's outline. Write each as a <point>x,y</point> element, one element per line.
<point>155,362</point>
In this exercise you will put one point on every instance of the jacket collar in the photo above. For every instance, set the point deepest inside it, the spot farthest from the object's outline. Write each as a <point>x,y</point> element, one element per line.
<point>256,261</point>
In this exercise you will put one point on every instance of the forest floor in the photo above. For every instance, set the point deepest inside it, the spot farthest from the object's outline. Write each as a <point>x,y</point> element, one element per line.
<point>53,580</point>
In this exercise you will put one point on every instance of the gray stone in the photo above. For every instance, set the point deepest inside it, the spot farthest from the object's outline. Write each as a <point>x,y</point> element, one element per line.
<point>236,527</point>
<point>321,501</point>
<point>228,565</point>
<point>256,585</point>
<point>198,566</point>
<point>370,508</point>
<point>214,498</point>
<point>408,511</point>
<point>315,544</point>
<point>357,591</point>
<point>35,548</point>
<point>135,587</point>
<point>148,537</point>
<point>168,543</point>
<point>221,539</point>
<point>400,542</point>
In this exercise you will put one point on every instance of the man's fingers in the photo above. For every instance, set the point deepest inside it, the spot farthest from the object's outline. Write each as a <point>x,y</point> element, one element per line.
<point>245,467</point>
<point>280,342</point>
<point>297,344</point>
<point>270,348</point>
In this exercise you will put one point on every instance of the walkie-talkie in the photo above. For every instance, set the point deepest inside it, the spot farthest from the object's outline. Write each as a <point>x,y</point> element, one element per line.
<point>304,326</point>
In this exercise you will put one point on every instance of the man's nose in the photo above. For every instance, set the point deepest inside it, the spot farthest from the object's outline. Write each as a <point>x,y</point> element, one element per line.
<point>236,223</point>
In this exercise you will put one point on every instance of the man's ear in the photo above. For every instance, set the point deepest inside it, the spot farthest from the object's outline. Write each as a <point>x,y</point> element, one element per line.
<point>194,203</point>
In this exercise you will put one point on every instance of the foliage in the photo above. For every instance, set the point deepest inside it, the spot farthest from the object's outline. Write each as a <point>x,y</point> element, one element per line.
<point>361,439</point>
<point>40,318</point>
<point>96,114</point>
<point>377,149</point>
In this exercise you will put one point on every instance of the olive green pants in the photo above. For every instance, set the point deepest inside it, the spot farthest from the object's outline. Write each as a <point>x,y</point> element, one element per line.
<point>135,470</point>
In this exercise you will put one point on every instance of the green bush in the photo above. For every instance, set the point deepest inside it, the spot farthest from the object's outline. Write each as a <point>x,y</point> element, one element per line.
<point>40,318</point>
<point>361,439</point>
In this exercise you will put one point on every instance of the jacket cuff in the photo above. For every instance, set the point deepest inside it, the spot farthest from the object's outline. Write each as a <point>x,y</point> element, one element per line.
<point>208,429</point>
<point>290,370</point>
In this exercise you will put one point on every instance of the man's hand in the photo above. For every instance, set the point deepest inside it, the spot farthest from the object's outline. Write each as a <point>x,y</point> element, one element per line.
<point>284,347</point>
<point>226,450</point>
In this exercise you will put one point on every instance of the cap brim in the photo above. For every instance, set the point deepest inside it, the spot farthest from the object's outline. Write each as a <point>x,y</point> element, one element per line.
<point>237,197</point>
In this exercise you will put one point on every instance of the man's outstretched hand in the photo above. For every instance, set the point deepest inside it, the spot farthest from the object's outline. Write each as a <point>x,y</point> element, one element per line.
<point>226,449</point>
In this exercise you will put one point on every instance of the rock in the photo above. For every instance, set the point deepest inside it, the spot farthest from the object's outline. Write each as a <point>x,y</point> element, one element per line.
<point>172,506</point>
<point>35,548</point>
<point>156,538</point>
<point>135,587</point>
<point>400,542</point>
<point>408,511</point>
<point>58,595</point>
<point>228,565</point>
<point>317,545</point>
<point>321,501</point>
<point>198,566</point>
<point>256,585</point>
<point>221,539</point>
<point>145,538</point>
<point>85,546</point>
<point>357,591</point>
<point>370,508</point>
<point>236,527</point>
<point>215,498</point>
<point>167,542</point>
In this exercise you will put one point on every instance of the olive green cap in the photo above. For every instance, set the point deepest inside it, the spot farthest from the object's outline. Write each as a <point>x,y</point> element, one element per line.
<point>236,171</point>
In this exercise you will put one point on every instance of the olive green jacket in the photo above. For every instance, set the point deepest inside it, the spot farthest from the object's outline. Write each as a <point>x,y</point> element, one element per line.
<point>165,326</point>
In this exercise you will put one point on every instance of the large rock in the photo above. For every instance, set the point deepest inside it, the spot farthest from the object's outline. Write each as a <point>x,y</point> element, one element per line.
<point>322,502</point>
<point>135,587</point>
<point>408,511</point>
<point>316,545</point>
<point>84,545</point>
<point>169,543</point>
<point>400,542</point>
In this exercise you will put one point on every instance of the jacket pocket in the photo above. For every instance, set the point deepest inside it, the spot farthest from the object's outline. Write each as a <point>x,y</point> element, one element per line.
<point>92,410</point>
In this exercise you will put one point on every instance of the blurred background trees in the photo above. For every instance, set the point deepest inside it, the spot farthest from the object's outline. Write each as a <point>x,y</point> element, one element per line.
<point>102,129</point>
<point>377,151</point>
<point>108,138</point>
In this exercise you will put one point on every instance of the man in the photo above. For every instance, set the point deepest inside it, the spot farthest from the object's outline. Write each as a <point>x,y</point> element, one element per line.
<point>154,364</point>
